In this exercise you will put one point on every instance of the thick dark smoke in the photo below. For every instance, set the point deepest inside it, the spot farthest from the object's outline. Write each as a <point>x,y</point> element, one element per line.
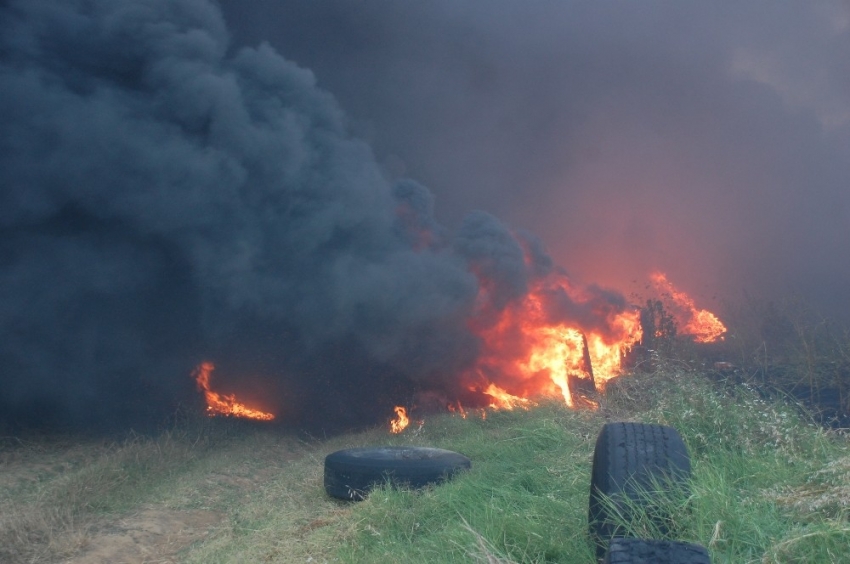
<point>710,140</point>
<point>169,195</point>
<point>168,198</point>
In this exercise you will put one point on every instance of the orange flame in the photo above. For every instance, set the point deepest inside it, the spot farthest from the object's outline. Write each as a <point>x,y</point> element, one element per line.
<point>456,407</point>
<point>218,404</point>
<point>504,400</point>
<point>699,323</point>
<point>401,421</point>
<point>530,350</point>
<point>527,356</point>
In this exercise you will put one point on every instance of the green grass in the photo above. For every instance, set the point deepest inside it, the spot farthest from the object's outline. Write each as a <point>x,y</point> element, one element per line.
<point>769,486</point>
<point>525,497</point>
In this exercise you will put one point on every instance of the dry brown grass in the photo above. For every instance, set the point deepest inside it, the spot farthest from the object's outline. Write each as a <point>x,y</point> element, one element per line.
<point>226,491</point>
<point>40,507</point>
<point>62,497</point>
<point>826,492</point>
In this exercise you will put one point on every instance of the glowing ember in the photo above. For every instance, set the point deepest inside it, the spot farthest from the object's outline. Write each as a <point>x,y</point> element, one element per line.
<point>218,404</point>
<point>699,323</point>
<point>401,421</point>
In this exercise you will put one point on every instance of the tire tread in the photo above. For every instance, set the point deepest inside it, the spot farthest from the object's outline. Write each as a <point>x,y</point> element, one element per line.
<point>350,474</point>
<point>627,459</point>
<point>642,551</point>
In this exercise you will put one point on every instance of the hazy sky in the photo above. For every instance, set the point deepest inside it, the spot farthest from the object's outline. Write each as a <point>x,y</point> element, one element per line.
<point>707,139</point>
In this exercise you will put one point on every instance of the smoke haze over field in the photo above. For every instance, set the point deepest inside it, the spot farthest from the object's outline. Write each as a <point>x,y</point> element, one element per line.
<point>179,182</point>
<point>710,140</point>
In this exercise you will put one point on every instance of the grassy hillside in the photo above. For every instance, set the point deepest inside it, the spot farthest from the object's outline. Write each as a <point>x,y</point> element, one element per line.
<point>769,486</point>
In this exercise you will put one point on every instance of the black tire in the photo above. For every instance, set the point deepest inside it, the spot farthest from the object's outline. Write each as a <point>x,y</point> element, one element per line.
<point>640,551</point>
<point>629,459</point>
<point>350,474</point>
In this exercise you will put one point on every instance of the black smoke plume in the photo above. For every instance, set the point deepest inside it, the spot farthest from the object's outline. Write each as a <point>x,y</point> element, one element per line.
<point>167,199</point>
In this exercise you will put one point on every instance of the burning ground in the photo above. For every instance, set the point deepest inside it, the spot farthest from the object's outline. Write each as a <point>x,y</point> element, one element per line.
<point>169,200</point>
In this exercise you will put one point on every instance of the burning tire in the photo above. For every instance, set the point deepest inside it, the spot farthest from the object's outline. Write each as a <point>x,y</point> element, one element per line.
<point>629,462</point>
<point>351,473</point>
<point>634,551</point>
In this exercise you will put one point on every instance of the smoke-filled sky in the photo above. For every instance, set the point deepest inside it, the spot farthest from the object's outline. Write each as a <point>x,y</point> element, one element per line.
<point>707,139</point>
<point>291,188</point>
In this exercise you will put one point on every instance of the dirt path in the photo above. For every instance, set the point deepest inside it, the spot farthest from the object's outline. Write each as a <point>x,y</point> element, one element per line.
<point>150,536</point>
